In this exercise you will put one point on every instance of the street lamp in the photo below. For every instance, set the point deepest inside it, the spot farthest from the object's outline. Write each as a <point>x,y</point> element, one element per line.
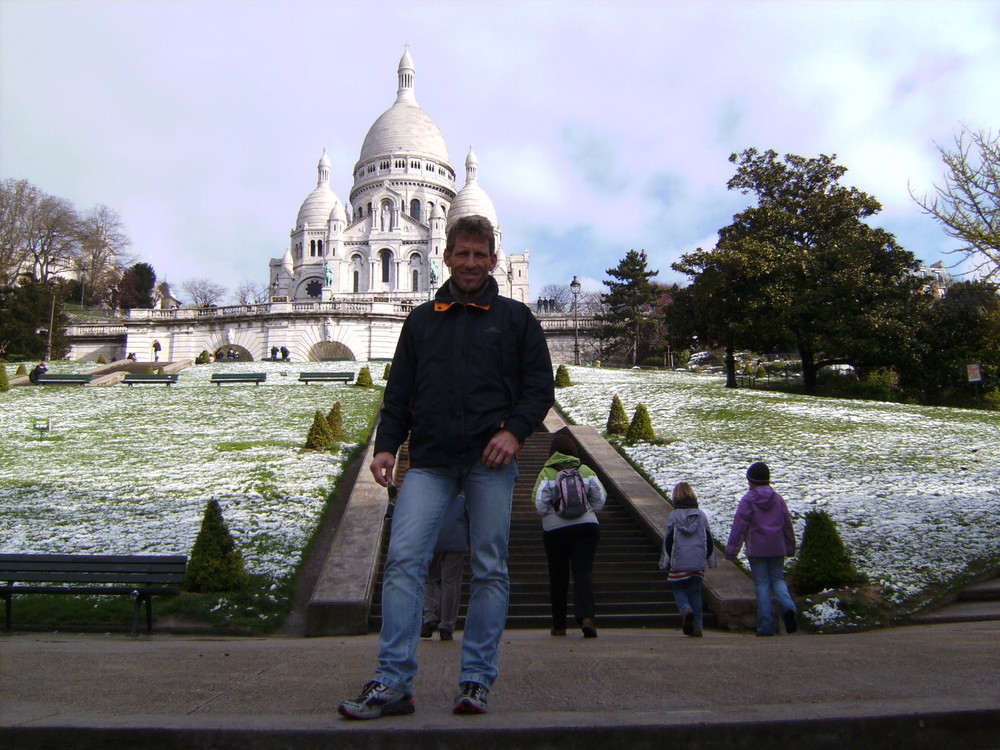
<point>83,281</point>
<point>574,286</point>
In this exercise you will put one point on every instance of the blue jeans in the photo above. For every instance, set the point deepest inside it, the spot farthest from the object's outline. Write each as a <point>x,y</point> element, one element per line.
<point>422,501</point>
<point>769,578</point>
<point>687,594</point>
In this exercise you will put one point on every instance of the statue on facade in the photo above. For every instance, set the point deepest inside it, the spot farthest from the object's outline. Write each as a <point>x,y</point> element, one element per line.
<point>328,273</point>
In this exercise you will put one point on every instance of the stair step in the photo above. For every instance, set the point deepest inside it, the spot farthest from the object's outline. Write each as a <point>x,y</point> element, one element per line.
<point>630,590</point>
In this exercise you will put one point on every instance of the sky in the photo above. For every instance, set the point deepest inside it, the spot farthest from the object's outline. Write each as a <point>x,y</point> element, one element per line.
<point>599,127</point>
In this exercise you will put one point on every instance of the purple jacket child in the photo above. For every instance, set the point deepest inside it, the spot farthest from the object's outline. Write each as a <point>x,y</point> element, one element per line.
<point>764,524</point>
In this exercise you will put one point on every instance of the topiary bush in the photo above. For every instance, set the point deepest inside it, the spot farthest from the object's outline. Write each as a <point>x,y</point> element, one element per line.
<point>364,378</point>
<point>823,562</point>
<point>385,373</point>
<point>319,437</point>
<point>641,427</point>
<point>562,377</point>
<point>335,421</point>
<point>21,370</point>
<point>101,360</point>
<point>617,418</point>
<point>992,399</point>
<point>216,564</point>
<point>4,382</point>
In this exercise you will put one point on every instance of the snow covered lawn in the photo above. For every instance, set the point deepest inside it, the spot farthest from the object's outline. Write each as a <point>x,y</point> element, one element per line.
<point>914,491</point>
<point>129,470</point>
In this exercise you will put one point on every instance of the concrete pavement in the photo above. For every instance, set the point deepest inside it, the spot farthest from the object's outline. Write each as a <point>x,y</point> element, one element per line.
<point>932,686</point>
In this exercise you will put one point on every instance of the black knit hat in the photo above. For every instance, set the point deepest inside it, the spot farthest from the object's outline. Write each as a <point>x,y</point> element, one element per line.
<point>758,472</point>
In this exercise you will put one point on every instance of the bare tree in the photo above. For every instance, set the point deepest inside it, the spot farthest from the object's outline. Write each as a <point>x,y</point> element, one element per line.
<point>16,199</point>
<point>204,292</point>
<point>968,203</point>
<point>102,257</point>
<point>38,232</point>
<point>250,293</point>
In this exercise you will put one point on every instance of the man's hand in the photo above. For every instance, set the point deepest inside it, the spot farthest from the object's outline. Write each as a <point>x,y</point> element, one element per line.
<point>382,465</point>
<point>501,450</point>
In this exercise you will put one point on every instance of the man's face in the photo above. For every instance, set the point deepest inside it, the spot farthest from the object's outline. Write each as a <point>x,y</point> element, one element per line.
<point>470,262</point>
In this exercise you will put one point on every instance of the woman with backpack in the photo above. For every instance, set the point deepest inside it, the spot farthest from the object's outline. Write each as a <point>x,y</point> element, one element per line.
<point>566,494</point>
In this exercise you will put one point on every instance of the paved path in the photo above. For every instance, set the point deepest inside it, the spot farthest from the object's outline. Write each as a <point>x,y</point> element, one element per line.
<point>932,686</point>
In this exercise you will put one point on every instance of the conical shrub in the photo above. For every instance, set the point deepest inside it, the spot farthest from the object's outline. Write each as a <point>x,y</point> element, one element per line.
<point>385,373</point>
<point>823,562</point>
<point>562,377</point>
<point>364,378</point>
<point>101,360</point>
<point>21,370</point>
<point>617,418</point>
<point>335,421</point>
<point>4,382</point>
<point>319,437</point>
<point>216,564</point>
<point>641,428</point>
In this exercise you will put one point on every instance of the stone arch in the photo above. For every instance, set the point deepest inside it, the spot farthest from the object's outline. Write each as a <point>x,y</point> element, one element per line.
<point>329,350</point>
<point>242,353</point>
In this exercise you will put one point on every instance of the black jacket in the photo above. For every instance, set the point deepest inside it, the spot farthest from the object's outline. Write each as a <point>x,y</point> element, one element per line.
<point>460,373</point>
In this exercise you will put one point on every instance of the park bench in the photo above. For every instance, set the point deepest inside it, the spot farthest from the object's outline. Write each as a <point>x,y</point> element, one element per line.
<point>138,576</point>
<point>50,378</point>
<point>133,378</point>
<point>236,377</point>
<point>326,377</point>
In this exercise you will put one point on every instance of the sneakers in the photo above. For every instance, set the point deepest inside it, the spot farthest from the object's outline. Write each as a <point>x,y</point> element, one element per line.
<point>445,634</point>
<point>472,699</point>
<point>687,621</point>
<point>377,700</point>
<point>791,624</point>
<point>428,629</point>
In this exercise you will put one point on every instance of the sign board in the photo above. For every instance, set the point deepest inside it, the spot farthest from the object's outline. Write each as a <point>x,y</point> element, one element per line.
<point>975,373</point>
<point>279,299</point>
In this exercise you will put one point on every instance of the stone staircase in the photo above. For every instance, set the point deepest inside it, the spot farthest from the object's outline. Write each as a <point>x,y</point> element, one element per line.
<point>630,590</point>
<point>977,602</point>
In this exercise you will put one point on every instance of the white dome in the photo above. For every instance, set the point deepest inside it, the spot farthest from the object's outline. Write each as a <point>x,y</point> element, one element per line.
<point>319,204</point>
<point>472,200</point>
<point>404,128</point>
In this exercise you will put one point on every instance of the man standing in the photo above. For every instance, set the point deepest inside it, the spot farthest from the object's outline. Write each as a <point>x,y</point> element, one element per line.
<point>470,380</point>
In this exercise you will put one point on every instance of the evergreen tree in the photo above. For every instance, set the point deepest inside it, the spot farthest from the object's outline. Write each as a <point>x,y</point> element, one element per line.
<point>617,418</point>
<point>364,378</point>
<point>319,437</point>
<point>26,312</point>
<point>388,369</point>
<point>135,290</point>
<point>641,428</point>
<point>335,421</point>
<point>216,564</point>
<point>823,562</point>
<point>562,377</point>
<point>627,324</point>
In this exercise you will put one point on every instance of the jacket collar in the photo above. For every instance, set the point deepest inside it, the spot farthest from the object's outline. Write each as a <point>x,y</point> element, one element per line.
<point>445,297</point>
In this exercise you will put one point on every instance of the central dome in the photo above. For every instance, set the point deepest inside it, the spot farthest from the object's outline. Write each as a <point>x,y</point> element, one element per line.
<point>405,128</point>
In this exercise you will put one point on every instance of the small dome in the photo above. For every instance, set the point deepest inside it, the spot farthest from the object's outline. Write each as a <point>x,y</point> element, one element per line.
<point>339,213</point>
<point>319,204</point>
<point>472,200</point>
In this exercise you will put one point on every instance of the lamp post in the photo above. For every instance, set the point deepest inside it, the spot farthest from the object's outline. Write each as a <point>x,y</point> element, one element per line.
<point>83,281</point>
<point>574,286</point>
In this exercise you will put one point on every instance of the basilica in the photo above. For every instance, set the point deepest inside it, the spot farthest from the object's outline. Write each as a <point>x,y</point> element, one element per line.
<point>387,240</point>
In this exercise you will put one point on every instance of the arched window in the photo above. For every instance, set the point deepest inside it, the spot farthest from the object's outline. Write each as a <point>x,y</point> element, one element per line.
<point>319,246</point>
<point>415,280</point>
<point>312,248</point>
<point>357,281</point>
<point>385,258</point>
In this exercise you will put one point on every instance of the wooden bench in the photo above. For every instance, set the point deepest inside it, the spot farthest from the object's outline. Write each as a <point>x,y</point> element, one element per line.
<point>133,378</point>
<point>235,377</point>
<point>50,378</point>
<point>326,377</point>
<point>138,576</point>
